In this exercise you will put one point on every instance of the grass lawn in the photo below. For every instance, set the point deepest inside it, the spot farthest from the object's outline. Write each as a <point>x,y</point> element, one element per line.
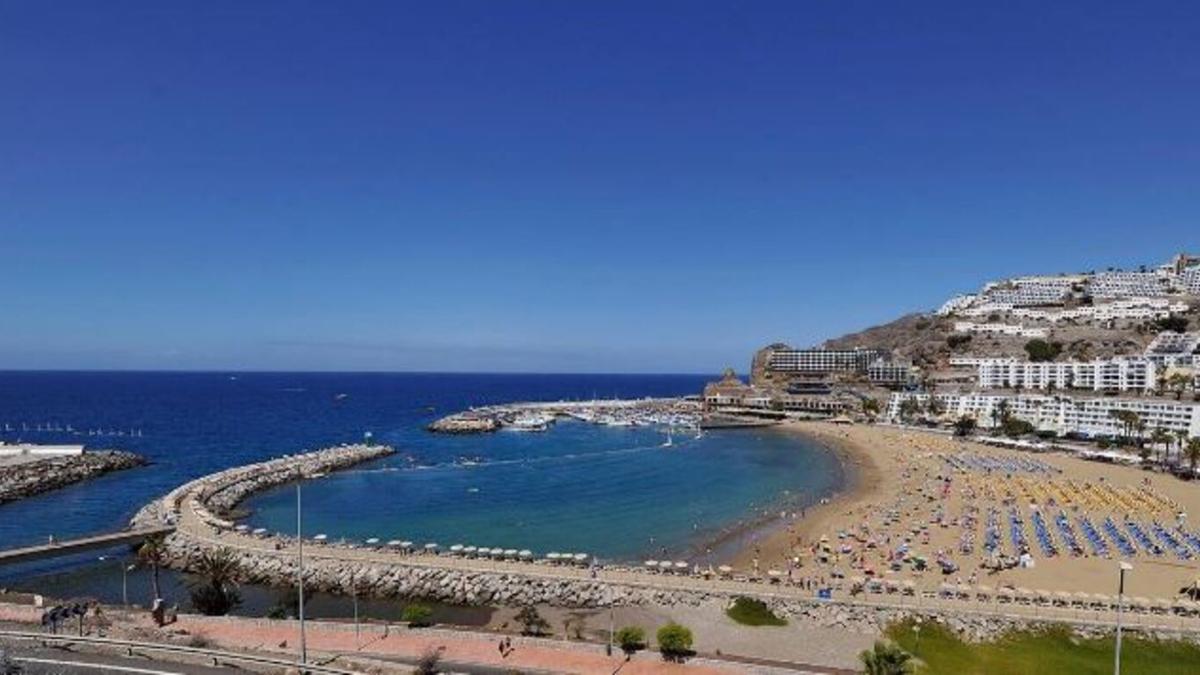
<point>1049,651</point>
<point>753,613</point>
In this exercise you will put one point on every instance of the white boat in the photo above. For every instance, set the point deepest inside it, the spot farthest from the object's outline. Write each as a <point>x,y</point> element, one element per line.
<point>525,423</point>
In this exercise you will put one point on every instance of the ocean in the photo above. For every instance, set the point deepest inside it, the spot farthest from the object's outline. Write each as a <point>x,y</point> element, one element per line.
<point>616,493</point>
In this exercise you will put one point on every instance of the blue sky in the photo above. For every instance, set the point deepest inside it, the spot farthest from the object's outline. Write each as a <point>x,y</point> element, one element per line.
<point>565,186</point>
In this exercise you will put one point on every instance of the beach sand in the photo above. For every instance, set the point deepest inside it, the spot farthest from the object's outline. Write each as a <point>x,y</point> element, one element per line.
<point>890,468</point>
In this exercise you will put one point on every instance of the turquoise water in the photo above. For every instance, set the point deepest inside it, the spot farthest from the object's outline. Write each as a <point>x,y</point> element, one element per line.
<point>613,492</point>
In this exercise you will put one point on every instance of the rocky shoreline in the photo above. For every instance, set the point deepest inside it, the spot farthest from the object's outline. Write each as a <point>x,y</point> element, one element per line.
<point>26,479</point>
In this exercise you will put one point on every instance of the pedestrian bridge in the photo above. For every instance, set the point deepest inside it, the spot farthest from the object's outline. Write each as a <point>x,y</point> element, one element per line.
<point>72,546</point>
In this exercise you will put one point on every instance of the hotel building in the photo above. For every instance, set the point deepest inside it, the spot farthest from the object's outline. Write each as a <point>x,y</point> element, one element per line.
<point>999,329</point>
<point>1062,414</point>
<point>1107,376</point>
<point>822,360</point>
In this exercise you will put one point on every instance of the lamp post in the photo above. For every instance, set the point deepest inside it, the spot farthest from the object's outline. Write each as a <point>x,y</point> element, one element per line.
<point>1125,567</point>
<point>125,569</point>
<point>300,577</point>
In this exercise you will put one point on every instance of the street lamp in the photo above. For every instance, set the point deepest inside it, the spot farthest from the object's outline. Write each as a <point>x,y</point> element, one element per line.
<point>1125,567</point>
<point>300,576</point>
<point>125,570</point>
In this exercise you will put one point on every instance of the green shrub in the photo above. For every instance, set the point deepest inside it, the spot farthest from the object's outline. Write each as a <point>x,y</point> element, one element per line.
<point>631,639</point>
<point>417,616</point>
<point>749,612</point>
<point>674,641</point>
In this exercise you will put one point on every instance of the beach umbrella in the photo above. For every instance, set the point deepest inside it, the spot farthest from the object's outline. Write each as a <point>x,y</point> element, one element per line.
<point>394,543</point>
<point>259,531</point>
<point>681,566</point>
<point>373,541</point>
<point>456,549</point>
<point>725,569</point>
<point>510,553</point>
<point>525,554</point>
<point>469,550</point>
<point>406,545</point>
<point>665,565</point>
<point>497,553</point>
<point>431,547</point>
<point>321,537</point>
<point>581,557</point>
<point>651,564</point>
<point>242,528</point>
<point>552,557</point>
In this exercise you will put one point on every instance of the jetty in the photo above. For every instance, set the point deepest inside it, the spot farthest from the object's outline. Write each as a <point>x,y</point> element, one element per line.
<point>33,472</point>
<point>681,413</point>
<point>72,546</point>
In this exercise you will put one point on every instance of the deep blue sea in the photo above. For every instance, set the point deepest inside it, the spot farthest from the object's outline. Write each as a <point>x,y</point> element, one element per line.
<point>613,492</point>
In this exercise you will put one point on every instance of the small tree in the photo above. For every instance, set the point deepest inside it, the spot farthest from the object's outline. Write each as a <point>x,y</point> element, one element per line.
<point>674,641</point>
<point>1040,350</point>
<point>1193,453</point>
<point>417,616</point>
<point>631,639</point>
<point>153,552</point>
<point>532,622</point>
<point>214,592</point>
<point>886,658</point>
<point>429,661</point>
<point>964,426</point>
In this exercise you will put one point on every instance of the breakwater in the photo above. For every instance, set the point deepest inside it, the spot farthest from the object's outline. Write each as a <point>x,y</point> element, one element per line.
<point>21,479</point>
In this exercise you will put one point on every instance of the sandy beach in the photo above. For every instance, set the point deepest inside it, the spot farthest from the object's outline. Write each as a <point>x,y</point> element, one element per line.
<point>904,489</point>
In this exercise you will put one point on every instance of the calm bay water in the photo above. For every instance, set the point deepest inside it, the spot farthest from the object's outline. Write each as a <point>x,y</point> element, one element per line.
<point>614,492</point>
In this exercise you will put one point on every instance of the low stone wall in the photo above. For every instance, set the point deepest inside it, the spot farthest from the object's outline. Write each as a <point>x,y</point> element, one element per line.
<point>26,479</point>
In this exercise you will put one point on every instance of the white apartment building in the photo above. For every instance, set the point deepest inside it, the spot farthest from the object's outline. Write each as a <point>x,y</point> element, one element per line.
<point>999,329</point>
<point>1062,414</point>
<point>1029,291</point>
<point>956,304</point>
<point>1174,349</point>
<point>1133,309</point>
<point>891,373</point>
<point>823,360</point>
<point>1189,280</point>
<point>1129,284</point>
<point>1102,375</point>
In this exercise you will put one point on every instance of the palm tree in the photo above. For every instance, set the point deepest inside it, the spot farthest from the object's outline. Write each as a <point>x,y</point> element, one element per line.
<point>887,658</point>
<point>1178,382</point>
<point>870,407</point>
<point>153,552</point>
<point>215,592</point>
<point>1163,437</point>
<point>1193,453</point>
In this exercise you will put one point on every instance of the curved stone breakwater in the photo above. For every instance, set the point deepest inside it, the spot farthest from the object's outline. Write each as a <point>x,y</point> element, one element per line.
<point>26,479</point>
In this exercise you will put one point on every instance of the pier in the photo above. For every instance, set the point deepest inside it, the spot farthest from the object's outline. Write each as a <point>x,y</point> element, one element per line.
<point>72,546</point>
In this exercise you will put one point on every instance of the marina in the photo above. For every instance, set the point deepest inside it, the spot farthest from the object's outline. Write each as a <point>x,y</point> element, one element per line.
<point>674,413</point>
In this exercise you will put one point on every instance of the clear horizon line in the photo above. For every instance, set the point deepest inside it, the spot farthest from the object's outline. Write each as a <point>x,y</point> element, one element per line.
<point>235,371</point>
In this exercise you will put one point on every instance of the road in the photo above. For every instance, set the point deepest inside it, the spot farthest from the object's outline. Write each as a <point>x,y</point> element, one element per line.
<point>36,660</point>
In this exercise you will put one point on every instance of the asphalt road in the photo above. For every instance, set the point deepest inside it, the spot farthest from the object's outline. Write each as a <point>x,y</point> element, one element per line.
<point>36,660</point>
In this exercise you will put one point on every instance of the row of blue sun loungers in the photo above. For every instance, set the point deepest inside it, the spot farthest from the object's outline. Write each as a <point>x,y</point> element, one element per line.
<point>1094,538</point>
<point>1042,533</point>
<point>1123,544</point>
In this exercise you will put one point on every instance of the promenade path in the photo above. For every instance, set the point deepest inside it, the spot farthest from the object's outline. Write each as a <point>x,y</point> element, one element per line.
<point>72,546</point>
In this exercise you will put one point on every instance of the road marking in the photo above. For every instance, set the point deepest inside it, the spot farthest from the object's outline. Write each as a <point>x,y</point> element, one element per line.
<point>96,666</point>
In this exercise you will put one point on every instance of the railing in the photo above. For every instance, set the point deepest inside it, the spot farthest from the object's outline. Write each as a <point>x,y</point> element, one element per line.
<point>216,656</point>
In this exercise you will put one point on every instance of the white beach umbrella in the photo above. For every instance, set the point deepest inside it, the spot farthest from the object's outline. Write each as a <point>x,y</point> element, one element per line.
<point>259,531</point>
<point>681,566</point>
<point>469,550</point>
<point>552,557</point>
<point>665,565</point>
<point>321,537</point>
<point>373,541</point>
<point>725,569</point>
<point>406,544</point>
<point>652,564</point>
<point>581,557</point>
<point>456,549</point>
<point>431,547</point>
<point>242,528</point>
<point>525,554</point>
<point>510,553</point>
